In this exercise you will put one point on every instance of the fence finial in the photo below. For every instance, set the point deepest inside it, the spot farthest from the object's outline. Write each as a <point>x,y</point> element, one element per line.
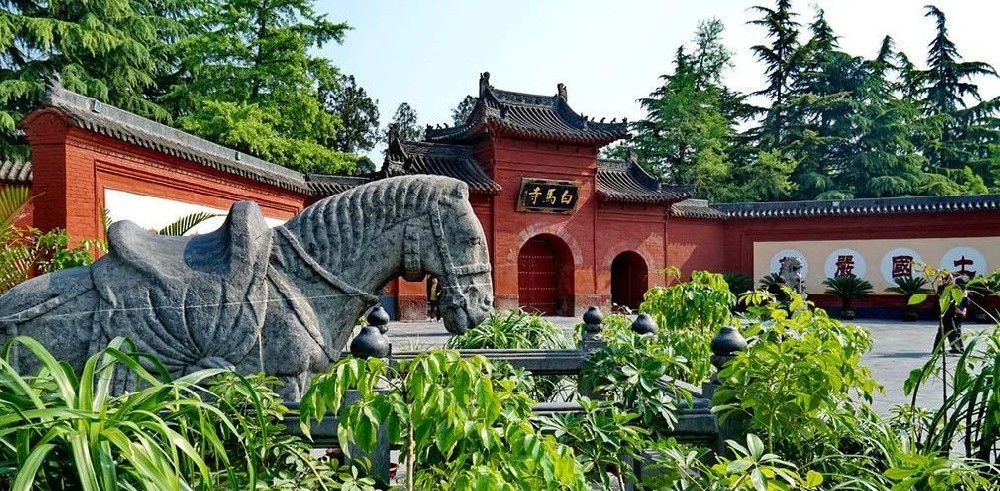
<point>371,341</point>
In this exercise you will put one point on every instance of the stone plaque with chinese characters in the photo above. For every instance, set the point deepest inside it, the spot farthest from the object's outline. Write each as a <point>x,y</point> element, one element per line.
<point>548,196</point>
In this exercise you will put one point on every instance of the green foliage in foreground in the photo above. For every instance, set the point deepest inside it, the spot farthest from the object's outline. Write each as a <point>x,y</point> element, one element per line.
<point>459,427</point>
<point>207,430</point>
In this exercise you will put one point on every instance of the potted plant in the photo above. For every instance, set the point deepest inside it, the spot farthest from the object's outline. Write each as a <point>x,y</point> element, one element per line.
<point>908,287</point>
<point>847,288</point>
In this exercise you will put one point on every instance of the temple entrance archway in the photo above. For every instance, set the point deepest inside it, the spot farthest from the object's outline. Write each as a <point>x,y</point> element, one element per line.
<point>629,279</point>
<point>545,276</point>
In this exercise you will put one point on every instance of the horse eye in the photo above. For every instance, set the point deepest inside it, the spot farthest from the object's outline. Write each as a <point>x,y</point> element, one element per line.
<point>473,240</point>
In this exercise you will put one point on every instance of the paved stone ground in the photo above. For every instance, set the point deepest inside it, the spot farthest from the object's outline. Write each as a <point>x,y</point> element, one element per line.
<point>899,348</point>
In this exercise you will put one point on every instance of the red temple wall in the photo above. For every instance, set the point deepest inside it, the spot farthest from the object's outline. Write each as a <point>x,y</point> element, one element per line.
<point>740,236</point>
<point>72,169</point>
<point>696,244</point>
<point>511,160</point>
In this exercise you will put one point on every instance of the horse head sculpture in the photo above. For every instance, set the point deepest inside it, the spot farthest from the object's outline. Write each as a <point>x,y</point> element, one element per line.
<point>283,301</point>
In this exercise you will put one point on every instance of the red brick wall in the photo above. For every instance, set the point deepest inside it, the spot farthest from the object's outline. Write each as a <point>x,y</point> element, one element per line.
<point>740,236</point>
<point>509,161</point>
<point>696,244</point>
<point>73,167</point>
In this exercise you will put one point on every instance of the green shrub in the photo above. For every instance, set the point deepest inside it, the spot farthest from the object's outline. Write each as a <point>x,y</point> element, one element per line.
<point>517,329</point>
<point>801,384</point>
<point>511,329</point>
<point>848,288</point>
<point>739,283</point>
<point>459,427</point>
<point>60,431</point>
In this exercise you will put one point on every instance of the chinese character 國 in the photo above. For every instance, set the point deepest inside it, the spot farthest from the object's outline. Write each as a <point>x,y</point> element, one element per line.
<point>902,267</point>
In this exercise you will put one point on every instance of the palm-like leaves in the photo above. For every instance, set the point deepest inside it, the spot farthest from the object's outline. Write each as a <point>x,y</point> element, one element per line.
<point>848,288</point>
<point>61,431</point>
<point>909,286</point>
<point>185,223</point>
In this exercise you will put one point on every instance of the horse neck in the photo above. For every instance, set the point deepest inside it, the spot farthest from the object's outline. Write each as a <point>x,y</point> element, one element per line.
<point>365,258</point>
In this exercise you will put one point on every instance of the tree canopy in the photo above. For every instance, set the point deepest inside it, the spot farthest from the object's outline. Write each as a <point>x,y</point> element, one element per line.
<point>237,72</point>
<point>827,124</point>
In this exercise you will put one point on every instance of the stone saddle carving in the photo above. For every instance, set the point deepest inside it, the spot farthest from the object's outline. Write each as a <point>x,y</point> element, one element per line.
<point>280,300</point>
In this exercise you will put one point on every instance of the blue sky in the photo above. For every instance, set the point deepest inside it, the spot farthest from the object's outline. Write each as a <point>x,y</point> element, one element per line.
<point>430,53</point>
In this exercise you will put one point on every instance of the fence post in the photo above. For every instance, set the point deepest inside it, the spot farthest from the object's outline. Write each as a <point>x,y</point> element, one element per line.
<point>725,345</point>
<point>590,341</point>
<point>371,341</point>
<point>644,324</point>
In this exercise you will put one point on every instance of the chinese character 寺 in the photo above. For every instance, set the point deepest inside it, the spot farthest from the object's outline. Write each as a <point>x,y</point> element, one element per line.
<point>902,266</point>
<point>551,196</point>
<point>845,266</point>
<point>534,194</point>
<point>961,263</point>
<point>566,197</point>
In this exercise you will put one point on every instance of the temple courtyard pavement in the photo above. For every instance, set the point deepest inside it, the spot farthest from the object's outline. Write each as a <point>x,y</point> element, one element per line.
<point>899,348</point>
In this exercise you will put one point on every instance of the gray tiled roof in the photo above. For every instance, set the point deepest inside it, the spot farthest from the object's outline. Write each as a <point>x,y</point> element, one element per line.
<point>323,185</point>
<point>695,208</point>
<point>847,207</point>
<point>455,161</point>
<point>548,118</point>
<point>626,181</point>
<point>93,115</point>
<point>15,171</point>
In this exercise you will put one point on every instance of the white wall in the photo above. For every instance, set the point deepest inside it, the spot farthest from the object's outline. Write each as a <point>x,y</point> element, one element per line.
<point>151,212</point>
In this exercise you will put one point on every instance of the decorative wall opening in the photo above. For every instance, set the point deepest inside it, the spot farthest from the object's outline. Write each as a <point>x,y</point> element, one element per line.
<point>629,279</point>
<point>545,276</point>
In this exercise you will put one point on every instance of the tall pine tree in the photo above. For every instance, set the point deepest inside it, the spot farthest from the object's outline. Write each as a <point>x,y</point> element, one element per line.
<point>114,51</point>
<point>959,129</point>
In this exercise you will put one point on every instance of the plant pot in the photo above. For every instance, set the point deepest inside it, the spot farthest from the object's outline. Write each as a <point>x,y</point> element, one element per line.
<point>910,315</point>
<point>847,314</point>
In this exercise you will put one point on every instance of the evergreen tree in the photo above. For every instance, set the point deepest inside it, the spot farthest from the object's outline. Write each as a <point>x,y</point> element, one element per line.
<point>958,139</point>
<point>462,111</point>
<point>114,51</point>
<point>358,113</point>
<point>781,65</point>
<point>405,120</point>
<point>687,135</point>
<point>248,81</point>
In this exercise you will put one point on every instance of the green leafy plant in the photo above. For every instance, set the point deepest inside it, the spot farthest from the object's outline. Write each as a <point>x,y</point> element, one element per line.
<point>517,329</point>
<point>801,384</point>
<point>63,431</point>
<point>701,304</point>
<point>739,283</point>
<point>185,223</point>
<point>511,329</point>
<point>638,373</point>
<point>848,288</point>
<point>605,439</point>
<point>909,286</point>
<point>458,426</point>
<point>752,468</point>
<point>688,315</point>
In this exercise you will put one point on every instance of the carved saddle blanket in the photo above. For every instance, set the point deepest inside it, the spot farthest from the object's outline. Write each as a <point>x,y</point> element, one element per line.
<point>194,302</point>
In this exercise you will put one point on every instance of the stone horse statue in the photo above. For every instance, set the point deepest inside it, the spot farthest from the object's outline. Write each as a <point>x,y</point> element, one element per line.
<point>280,300</point>
<point>791,273</point>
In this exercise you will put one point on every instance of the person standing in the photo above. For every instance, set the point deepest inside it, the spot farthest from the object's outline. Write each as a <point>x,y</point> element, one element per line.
<point>433,296</point>
<point>950,325</point>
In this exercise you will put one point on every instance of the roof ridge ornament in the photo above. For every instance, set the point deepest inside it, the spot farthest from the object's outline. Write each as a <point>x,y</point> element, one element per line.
<point>484,83</point>
<point>561,92</point>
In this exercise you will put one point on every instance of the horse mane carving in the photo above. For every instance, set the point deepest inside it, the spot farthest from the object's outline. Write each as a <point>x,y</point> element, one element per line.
<point>379,206</point>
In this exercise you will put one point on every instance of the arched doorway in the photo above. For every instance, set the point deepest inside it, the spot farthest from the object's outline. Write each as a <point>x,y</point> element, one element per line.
<point>629,279</point>
<point>545,276</point>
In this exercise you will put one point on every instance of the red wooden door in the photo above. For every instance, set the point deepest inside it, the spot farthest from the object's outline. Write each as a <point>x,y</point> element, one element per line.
<point>628,280</point>
<point>536,277</point>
